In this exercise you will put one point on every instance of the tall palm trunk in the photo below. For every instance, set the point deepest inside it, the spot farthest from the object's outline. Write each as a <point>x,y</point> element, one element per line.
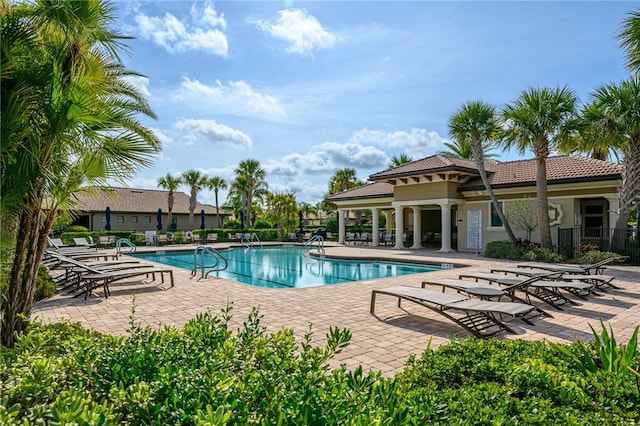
<point>629,190</point>
<point>543,202</point>
<point>479,155</point>
<point>170,209</point>
<point>217,209</point>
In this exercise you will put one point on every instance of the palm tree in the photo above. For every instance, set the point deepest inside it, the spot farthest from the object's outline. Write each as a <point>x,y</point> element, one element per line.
<point>217,183</point>
<point>540,119</point>
<point>282,210</point>
<point>307,209</point>
<point>630,40</point>
<point>399,161</point>
<point>171,184</point>
<point>613,114</point>
<point>249,185</point>
<point>462,149</point>
<point>343,180</point>
<point>195,181</point>
<point>475,125</point>
<point>68,119</point>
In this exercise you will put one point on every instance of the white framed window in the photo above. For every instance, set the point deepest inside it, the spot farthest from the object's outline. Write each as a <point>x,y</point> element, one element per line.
<point>134,219</point>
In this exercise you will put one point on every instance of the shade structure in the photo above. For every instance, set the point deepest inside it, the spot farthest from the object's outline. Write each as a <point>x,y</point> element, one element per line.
<point>159,225</point>
<point>202,219</point>
<point>107,215</point>
<point>241,219</point>
<point>300,220</point>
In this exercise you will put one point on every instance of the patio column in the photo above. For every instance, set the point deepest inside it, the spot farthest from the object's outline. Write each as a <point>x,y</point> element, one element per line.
<point>446,227</point>
<point>614,207</point>
<point>417,227</point>
<point>375,227</point>
<point>341,226</point>
<point>399,227</point>
<point>388,228</point>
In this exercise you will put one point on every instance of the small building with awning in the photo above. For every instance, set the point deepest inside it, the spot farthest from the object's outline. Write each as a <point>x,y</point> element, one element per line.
<point>441,200</point>
<point>134,209</point>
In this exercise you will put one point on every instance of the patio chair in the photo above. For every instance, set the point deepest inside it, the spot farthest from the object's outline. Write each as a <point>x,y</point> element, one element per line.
<point>475,315</point>
<point>105,241</point>
<point>213,238</point>
<point>594,268</point>
<point>82,242</point>
<point>350,237</point>
<point>545,287</point>
<point>162,239</point>
<point>487,291</point>
<point>364,238</point>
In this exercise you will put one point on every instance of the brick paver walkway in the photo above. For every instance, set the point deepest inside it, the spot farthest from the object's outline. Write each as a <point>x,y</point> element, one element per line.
<point>382,341</point>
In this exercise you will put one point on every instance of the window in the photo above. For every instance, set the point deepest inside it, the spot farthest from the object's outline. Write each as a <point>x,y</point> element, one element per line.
<point>120,219</point>
<point>147,219</point>
<point>104,218</point>
<point>495,218</point>
<point>134,219</point>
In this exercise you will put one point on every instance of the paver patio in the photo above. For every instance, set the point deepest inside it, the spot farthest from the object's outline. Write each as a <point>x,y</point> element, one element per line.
<point>380,342</point>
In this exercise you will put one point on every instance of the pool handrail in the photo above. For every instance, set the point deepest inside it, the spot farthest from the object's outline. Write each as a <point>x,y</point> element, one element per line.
<point>248,241</point>
<point>202,251</point>
<point>125,241</point>
<point>320,241</point>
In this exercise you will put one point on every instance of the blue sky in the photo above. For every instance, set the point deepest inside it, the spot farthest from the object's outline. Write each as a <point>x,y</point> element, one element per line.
<point>308,88</point>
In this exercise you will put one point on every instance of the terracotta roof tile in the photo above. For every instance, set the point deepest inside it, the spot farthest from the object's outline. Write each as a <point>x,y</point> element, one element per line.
<point>370,190</point>
<point>559,169</point>
<point>431,164</point>
<point>136,200</point>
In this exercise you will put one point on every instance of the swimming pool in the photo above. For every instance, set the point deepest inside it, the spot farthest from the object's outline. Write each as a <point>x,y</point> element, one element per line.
<point>289,267</point>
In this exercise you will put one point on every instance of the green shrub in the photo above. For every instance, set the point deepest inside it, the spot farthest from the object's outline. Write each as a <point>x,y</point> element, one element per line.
<point>207,373</point>
<point>45,286</point>
<point>504,250</point>
<point>262,224</point>
<point>542,254</point>
<point>596,256</point>
<point>232,224</point>
<point>76,228</point>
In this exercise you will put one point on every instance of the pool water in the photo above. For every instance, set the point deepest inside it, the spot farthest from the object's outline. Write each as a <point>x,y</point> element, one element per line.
<point>282,267</point>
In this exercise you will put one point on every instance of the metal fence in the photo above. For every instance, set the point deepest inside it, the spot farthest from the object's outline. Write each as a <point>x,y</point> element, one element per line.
<point>572,242</point>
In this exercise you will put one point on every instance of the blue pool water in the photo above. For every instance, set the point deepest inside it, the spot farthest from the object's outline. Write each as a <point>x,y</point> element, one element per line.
<point>282,267</point>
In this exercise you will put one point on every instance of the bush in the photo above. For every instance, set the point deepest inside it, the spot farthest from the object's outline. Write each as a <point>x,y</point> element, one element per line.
<point>45,286</point>
<point>504,250</point>
<point>595,256</point>
<point>542,254</point>
<point>262,224</point>
<point>232,224</point>
<point>206,373</point>
<point>76,228</point>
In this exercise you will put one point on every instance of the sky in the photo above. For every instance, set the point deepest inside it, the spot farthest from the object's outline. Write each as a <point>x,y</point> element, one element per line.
<point>311,87</point>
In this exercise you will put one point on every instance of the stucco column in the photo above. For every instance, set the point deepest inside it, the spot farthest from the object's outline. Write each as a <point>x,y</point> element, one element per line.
<point>375,227</point>
<point>417,227</point>
<point>614,208</point>
<point>341,226</point>
<point>446,228</point>
<point>399,227</point>
<point>388,227</point>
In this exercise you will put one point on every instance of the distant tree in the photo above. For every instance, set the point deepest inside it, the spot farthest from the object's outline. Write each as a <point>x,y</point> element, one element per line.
<point>523,215</point>
<point>195,180</point>
<point>249,185</point>
<point>629,38</point>
<point>217,183</point>
<point>171,184</point>
<point>475,125</point>
<point>282,208</point>
<point>399,161</point>
<point>462,149</point>
<point>343,180</point>
<point>307,210</point>
<point>540,119</point>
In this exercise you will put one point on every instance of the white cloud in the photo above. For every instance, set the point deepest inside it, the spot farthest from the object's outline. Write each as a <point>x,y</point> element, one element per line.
<point>237,97</point>
<point>212,131</point>
<point>302,31</point>
<point>141,83</point>
<point>417,143</point>
<point>178,36</point>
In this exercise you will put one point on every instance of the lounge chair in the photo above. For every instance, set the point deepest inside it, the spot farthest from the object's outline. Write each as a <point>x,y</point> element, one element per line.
<point>475,315</point>
<point>82,242</point>
<point>498,275</point>
<point>594,268</point>
<point>544,287</point>
<point>94,277</point>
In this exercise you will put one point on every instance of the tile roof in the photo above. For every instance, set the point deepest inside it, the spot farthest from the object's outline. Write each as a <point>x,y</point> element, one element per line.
<point>136,200</point>
<point>564,168</point>
<point>370,190</point>
<point>435,163</point>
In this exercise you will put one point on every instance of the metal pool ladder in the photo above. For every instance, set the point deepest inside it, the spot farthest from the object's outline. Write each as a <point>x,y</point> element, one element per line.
<point>319,240</point>
<point>220,262</point>
<point>249,240</point>
<point>126,242</point>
